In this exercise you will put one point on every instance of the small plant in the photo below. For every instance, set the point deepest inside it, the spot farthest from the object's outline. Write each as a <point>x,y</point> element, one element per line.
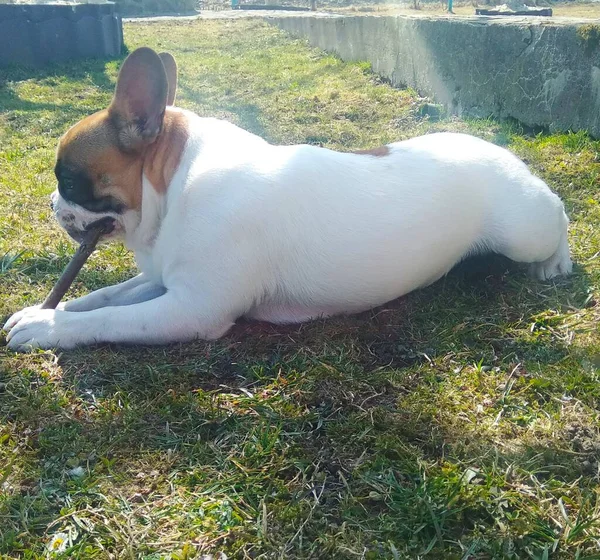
<point>575,142</point>
<point>8,260</point>
<point>589,34</point>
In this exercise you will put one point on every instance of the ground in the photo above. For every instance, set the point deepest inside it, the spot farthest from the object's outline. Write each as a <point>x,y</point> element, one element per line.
<point>458,422</point>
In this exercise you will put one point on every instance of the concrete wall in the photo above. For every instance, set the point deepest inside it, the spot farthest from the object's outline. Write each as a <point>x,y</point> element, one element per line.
<point>36,34</point>
<point>155,7</point>
<point>540,71</point>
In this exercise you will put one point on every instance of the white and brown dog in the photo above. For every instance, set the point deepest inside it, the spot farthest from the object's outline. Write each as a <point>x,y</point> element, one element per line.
<point>224,224</point>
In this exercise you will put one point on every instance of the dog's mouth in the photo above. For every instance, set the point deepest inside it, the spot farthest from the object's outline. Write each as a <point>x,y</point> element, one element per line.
<point>107,224</point>
<point>78,221</point>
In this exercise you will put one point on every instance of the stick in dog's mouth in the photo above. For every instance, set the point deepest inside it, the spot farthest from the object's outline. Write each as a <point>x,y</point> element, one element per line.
<point>92,235</point>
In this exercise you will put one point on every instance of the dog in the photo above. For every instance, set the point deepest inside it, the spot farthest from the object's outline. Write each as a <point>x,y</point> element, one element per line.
<point>225,225</point>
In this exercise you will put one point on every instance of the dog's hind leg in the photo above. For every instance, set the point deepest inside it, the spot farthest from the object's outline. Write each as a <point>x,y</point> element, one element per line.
<point>558,264</point>
<point>531,227</point>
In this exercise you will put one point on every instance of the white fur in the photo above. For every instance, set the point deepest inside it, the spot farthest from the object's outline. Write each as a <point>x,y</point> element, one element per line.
<point>290,233</point>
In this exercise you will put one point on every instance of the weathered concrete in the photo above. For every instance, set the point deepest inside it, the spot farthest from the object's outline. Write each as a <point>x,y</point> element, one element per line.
<point>35,34</point>
<point>540,71</point>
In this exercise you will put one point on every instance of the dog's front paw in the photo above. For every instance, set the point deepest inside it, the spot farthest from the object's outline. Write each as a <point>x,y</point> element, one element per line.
<point>16,317</point>
<point>34,328</point>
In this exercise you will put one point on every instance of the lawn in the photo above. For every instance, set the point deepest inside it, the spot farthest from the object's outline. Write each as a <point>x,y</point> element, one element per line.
<point>458,422</point>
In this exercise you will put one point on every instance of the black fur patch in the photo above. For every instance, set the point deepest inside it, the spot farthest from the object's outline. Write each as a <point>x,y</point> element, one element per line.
<point>77,187</point>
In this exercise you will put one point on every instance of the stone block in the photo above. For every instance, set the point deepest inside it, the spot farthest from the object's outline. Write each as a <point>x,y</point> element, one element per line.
<point>539,71</point>
<point>38,34</point>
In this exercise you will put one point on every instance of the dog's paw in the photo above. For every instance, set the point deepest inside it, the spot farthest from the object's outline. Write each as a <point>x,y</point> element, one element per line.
<point>546,271</point>
<point>16,317</point>
<point>557,265</point>
<point>34,328</point>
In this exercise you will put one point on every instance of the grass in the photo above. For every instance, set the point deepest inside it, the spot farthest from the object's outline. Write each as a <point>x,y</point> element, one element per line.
<point>458,422</point>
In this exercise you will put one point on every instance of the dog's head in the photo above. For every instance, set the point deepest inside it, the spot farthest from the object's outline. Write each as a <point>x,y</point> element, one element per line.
<point>101,160</point>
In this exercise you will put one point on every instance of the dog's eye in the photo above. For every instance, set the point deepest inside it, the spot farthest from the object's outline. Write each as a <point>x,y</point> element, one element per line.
<point>68,183</point>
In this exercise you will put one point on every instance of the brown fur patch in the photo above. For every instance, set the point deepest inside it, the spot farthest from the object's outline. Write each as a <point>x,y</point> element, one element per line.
<point>137,135</point>
<point>382,151</point>
<point>91,146</point>
<point>118,175</point>
<point>163,156</point>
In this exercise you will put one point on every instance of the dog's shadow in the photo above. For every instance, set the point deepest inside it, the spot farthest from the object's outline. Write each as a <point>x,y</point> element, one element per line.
<point>476,306</point>
<point>486,310</point>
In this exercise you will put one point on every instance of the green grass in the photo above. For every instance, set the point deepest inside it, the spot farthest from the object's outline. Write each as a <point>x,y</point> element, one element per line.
<point>458,422</point>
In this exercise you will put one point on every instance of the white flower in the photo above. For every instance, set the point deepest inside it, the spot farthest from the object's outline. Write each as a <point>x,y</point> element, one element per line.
<point>58,543</point>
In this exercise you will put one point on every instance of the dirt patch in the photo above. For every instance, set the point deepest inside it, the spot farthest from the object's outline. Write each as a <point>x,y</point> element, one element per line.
<point>585,440</point>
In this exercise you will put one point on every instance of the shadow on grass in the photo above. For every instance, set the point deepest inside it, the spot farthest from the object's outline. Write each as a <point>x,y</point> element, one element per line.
<point>91,72</point>
<point>330,402</point>
<point>467,312</point>
<point>91,68</point>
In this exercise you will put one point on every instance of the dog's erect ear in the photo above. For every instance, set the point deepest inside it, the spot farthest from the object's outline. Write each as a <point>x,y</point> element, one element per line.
<point>171,70</point>
<point>138,106</point>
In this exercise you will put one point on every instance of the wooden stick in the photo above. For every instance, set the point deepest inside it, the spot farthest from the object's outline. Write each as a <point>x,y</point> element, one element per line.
<point>90,240</point>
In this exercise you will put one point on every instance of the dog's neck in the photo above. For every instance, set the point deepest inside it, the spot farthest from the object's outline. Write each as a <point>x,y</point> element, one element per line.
<point>142,226</point>
<point>160,161</point>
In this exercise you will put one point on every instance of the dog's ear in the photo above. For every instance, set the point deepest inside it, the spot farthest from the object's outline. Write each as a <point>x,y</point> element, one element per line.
<point>138,106</point>
<point>171,70</point>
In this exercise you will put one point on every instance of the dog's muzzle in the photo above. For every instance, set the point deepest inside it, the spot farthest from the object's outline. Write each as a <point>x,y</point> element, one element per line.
<point>107,224</point>
<point>76,221</point>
